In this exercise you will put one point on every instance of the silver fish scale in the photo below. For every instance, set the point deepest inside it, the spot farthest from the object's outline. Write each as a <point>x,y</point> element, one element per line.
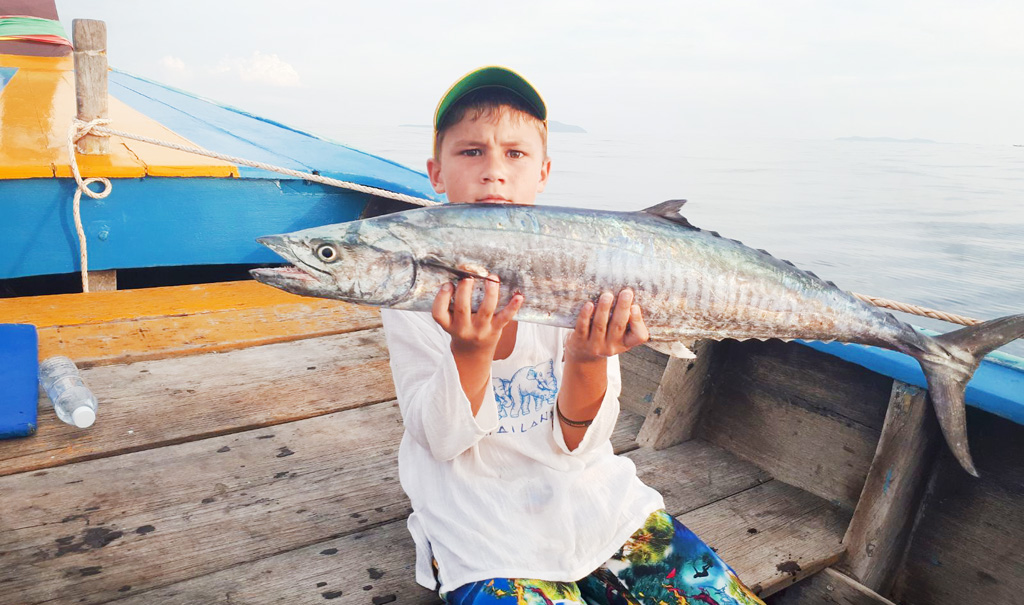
<point>689,283</point>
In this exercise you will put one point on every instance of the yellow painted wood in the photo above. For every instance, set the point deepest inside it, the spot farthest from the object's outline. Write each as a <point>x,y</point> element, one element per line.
<point>176,336</point>
<point>101,328</point>
<point>38,105</point>
<point>101,307</point>
<point>37,63</point>
<point>24,131</point>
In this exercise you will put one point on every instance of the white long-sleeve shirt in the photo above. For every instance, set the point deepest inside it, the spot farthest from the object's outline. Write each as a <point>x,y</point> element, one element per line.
<point>500,495</point>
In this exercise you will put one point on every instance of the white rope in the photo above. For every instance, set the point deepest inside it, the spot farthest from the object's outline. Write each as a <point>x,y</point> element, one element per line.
<point>916,310</point>
<point>78,130</point>
<point>419,201</point>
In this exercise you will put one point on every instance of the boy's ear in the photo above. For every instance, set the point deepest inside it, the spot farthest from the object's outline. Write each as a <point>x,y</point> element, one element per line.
<point>434,172</point>
<point>545,172</point>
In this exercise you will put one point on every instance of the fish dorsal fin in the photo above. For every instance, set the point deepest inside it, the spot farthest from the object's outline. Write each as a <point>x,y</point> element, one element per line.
<point>670,210</point>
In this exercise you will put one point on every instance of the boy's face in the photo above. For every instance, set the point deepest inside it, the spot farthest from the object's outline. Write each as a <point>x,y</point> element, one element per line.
<point>496,157</point>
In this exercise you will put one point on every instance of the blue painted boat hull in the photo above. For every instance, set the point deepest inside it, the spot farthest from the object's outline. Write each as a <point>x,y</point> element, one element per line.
<point>157,222</point>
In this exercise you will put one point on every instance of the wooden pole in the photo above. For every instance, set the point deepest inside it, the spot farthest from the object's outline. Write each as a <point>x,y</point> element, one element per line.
<point>90,40</point>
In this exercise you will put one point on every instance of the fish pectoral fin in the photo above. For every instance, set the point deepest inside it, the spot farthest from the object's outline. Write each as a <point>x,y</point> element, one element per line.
<point>670,210</point>
<point>673,349</point>
<point>462,271</point>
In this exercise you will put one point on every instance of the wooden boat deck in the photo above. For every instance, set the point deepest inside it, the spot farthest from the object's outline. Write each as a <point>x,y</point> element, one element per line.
<point>245,451</point>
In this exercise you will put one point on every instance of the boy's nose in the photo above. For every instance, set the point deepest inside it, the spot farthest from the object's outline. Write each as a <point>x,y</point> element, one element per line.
<point>493,170</point>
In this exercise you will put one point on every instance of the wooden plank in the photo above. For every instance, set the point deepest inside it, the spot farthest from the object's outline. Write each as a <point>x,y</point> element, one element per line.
<point>152,323</point>
<point>103,281</point>
<point>829,586</point>
<point>372,566</point>
<point>968,543</point>
<point>797,436</point>
<point>696,473</point>
<point>195,508</point>
<point>680,399</point>
<point>819,382</point>
<point>106,307</point>
<point>877,536</point>
<point>154,403</point>
<point>624,436</point>
<point>176,336</point>
<point>773,535</point>
<point>642,369</point>
<point>379,562</point>
<point>81,532</point>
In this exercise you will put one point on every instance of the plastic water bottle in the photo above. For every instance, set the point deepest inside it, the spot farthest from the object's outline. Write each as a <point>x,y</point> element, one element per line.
<point>74,402</point>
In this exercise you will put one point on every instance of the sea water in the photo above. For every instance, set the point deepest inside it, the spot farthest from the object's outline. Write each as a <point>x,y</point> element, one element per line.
<point>939,225</point>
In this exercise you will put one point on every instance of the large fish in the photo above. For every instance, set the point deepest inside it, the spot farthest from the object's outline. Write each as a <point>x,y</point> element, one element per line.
<point>690,283</point>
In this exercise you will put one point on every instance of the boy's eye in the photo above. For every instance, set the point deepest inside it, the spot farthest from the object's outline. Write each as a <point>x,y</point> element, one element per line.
<point>515,154</point>
<point>470,152</point>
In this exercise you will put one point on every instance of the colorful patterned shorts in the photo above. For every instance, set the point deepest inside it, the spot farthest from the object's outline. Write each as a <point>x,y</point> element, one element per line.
<point>662,563</point>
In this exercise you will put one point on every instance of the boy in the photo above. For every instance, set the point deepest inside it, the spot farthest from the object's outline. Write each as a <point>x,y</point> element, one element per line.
<point>506,457</point>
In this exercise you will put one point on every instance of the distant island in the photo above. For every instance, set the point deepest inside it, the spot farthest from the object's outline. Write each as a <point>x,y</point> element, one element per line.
<point>885,140</point>
<point>553,126</point>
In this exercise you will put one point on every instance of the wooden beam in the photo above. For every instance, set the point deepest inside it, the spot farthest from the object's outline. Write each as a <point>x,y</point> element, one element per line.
<point>829,586</point>
<point>880,528</point>
<point>103,281</point>
<point>679,400</point>
<point>90,39</point>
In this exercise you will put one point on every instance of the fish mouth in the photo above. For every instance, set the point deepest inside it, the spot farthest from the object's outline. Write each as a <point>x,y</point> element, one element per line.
<point>288,273</point>
<point>290,278</point>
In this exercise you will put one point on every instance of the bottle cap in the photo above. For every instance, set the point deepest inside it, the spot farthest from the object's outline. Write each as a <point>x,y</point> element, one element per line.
<point>83,416</point>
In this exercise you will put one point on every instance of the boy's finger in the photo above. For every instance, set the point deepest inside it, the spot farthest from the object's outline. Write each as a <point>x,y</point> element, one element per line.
<point>464,300</point>
<point>490,302</point>
<point>620,316</point>
<point>599,325</point>
<point>440,311</point>
<point>638,333</point>
<point>583,321</point>
<point>505,315</point>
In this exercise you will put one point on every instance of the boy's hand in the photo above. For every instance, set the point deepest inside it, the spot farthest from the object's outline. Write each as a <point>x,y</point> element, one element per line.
<point>471,332</point>
<point>602,332</point>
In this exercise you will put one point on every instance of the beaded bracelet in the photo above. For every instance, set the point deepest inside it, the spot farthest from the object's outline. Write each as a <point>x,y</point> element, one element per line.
<point>574,423</point>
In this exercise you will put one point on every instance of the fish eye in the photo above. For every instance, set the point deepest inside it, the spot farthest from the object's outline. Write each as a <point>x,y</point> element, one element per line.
<point>327,253</point>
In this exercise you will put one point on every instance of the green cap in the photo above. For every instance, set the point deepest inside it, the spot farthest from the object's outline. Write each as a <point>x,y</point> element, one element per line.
<point>500,77</point>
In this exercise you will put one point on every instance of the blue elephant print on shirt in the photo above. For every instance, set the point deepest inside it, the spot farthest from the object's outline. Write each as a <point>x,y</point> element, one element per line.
<point>533,387</point>
<point>501,395</point>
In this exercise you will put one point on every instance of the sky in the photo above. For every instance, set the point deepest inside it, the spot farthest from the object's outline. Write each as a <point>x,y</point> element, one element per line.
<point>940,70</point>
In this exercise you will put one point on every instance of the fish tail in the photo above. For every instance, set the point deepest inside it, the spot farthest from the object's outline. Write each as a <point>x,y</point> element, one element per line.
<point>949,363</point>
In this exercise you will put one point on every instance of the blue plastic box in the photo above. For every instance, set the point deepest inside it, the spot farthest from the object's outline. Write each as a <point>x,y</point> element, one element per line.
<point>19,371</point>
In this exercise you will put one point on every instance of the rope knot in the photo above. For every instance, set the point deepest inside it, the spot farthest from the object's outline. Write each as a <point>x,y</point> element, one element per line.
<point>83,128</point>
<point>76,131</point>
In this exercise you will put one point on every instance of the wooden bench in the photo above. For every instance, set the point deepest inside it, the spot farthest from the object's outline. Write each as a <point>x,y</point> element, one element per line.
<point>245,451</point>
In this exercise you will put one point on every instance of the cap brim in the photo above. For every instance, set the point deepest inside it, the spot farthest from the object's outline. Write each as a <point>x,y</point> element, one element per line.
<point>491,76</point>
